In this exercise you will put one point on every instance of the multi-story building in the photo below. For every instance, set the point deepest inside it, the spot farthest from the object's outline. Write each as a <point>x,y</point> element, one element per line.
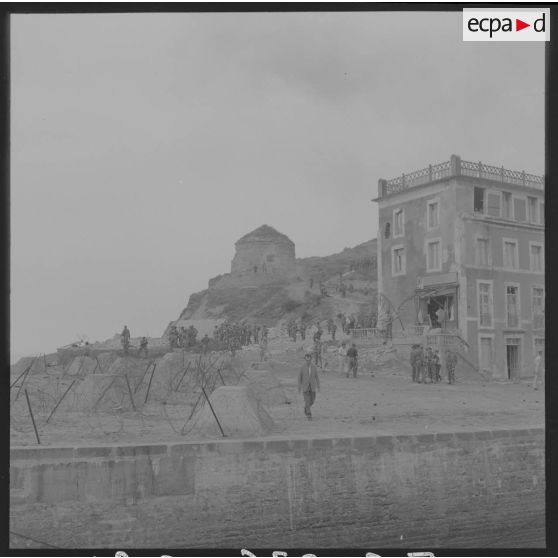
<point>467,238</point>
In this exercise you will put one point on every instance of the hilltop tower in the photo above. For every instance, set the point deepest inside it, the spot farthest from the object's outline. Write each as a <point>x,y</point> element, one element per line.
<point>263,254</point>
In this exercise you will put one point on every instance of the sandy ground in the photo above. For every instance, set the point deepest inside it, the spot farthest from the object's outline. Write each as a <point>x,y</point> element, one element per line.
<point>382,400</point>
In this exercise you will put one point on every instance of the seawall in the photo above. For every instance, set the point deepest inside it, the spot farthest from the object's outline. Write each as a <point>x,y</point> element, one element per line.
<point>478,489</point>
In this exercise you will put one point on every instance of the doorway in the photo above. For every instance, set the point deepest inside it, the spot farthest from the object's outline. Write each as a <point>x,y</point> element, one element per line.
<point>513,358</point>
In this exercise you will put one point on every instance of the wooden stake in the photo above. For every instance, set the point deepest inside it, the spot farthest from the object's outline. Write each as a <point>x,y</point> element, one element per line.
<point>149,385</point>
<point>211,407</point>
<point>130,392</point>
<point>182,377</point>
<point>60,400</point>
<point>26,373</point>
<point>142,378</point>
<point>103,394</point>
<point>32,417</point>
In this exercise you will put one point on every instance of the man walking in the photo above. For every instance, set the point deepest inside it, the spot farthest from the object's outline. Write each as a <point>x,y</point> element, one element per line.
<point>352,355</point>
<point>308,384</point>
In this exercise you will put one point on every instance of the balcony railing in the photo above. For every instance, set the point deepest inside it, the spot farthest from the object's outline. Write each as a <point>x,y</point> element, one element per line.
<point>457,167</point>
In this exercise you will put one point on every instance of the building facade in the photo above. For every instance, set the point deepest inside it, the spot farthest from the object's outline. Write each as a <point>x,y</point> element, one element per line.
<point>463,243</point>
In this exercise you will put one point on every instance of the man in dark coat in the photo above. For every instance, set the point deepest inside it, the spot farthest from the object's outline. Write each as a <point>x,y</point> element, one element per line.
<point>352,355</point>
<point>308,384</point>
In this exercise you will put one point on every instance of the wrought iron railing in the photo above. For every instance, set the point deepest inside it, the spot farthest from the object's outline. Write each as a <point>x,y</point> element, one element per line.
<point>458,167</point>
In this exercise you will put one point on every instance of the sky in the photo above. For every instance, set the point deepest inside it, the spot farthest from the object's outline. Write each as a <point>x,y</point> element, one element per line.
<point>144,145</point>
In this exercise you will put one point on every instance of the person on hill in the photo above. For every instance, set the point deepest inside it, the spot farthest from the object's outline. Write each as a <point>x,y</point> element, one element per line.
<point>125,339</point>
<point>143,347</point>
<point>205,343</point>
<point>308,384</point>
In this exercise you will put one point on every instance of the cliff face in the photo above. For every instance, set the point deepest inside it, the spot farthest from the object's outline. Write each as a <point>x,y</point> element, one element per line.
<point>272,301</point>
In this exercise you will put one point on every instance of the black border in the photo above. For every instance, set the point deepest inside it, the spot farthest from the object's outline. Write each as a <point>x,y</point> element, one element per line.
<point>551,394</point>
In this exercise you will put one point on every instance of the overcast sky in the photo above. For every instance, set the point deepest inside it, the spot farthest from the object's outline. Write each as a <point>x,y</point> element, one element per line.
<point>144,145</point>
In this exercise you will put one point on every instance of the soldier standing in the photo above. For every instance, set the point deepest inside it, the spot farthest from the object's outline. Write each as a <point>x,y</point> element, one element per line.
<point>414,363</point>
<point>143,347</point>
<point>205,343</point>
<point>437,366</point>
<point>333,330</point>
<point>451,363</point>
<point>125,339</point>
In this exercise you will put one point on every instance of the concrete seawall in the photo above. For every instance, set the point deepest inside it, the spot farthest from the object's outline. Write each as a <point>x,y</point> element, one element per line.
<point>469,489</point>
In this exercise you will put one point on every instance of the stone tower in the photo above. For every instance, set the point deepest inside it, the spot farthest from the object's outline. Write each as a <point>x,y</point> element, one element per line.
<point>263,254</point>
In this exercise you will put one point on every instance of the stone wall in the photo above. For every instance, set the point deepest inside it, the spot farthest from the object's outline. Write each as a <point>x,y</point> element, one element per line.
<point>468,489</point>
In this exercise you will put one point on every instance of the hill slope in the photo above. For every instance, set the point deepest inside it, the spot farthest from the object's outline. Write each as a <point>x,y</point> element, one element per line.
<point>273,303</point>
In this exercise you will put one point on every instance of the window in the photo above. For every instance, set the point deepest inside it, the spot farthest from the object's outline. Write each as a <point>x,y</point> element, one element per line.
<point>532,209</point>
<point>433,260</point>
<point>510,254</point>
<point>512,305</point>
<point>541,213</point>
<point>493,204</point>
<point>485,304</point>
<point>537,305</point>
<point>482,251</point>
<point>433,217</point>
<point>507,211</point>
<point>387,231</point>
<point>398,260</point>
<point>398,223</point>
<point>536,257</point>
<point>519,209</point>
<point>478,200</point>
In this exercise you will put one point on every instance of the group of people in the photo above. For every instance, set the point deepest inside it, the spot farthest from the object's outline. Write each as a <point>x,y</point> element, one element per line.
<point>235,335</point>
<point>125,342</point>
<point>182,338</point>
<point>426,365</point>
<point>348,359</point>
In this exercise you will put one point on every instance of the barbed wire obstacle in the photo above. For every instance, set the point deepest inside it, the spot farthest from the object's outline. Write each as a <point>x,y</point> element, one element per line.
<point>98,405</point>
<point>232,411</point>
<point>81,366</point>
